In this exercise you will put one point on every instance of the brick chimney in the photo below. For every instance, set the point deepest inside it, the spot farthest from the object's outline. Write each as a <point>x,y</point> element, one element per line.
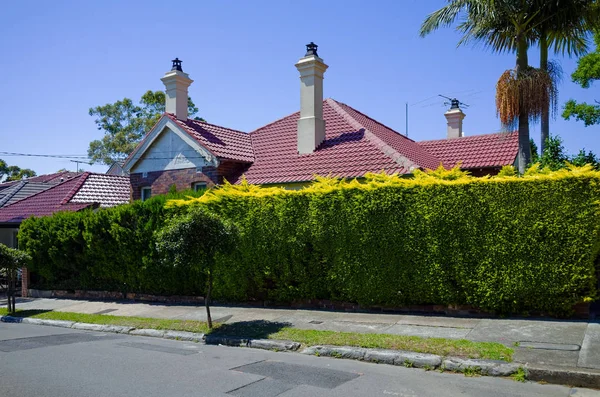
<point>311,126</point>
<point>176,83</point>
<point>455,117</point>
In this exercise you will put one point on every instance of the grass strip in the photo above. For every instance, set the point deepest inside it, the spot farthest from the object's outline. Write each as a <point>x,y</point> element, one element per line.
<point>277,330</point>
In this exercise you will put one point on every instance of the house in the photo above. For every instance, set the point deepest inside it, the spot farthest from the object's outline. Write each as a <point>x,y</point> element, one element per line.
<point>84,190</point>
<point>325,137</point>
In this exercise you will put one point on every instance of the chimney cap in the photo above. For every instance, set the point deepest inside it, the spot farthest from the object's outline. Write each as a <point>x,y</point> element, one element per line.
<point>454,103</point>
<point>177,64</point>
<point>311,49</point>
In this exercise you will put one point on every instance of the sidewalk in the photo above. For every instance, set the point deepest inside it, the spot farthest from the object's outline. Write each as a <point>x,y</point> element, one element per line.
<point>543,342</point>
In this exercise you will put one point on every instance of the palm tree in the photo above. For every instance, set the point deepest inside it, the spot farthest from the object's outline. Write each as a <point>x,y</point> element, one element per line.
<point>511,25</point>
<point>567,30</point>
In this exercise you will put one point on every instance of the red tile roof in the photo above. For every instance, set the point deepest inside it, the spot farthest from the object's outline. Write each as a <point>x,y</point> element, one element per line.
<point>354,145</point>
<point>82,191</point>
<point>47,178</point>
<point>478,151</point>
<point>220,141</point>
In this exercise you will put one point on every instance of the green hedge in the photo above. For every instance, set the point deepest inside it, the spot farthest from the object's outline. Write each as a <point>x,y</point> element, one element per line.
<point>507,244</point>
<point>110,249</point>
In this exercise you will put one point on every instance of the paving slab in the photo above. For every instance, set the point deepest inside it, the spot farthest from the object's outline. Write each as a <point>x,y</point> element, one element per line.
<point>590,348</point>
<point>341,326</point>
<point>429,332</point>
<point>439,321</point>
<point>508,331</point>
<point>559,358</point>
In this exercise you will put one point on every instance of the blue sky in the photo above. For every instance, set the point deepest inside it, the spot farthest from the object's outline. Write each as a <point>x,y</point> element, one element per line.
<point>60,58</point>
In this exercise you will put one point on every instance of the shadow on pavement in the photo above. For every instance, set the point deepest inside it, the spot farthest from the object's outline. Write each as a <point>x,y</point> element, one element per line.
<point>259,329</point>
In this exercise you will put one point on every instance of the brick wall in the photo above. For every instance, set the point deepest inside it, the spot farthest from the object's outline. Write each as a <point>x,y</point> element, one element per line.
<point>161,181</point>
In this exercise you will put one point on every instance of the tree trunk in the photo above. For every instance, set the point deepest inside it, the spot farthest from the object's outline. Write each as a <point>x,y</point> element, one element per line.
<point>524,156</point>
<point>10,294</point>
<point>209,283</point>
<point>545,120</point>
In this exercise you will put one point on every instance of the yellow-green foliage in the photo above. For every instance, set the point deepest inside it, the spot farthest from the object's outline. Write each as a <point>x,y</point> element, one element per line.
<point>504,244</point>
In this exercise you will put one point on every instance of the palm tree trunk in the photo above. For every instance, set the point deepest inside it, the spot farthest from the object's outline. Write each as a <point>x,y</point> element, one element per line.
<point>545,121</point>
<point>524,156</point>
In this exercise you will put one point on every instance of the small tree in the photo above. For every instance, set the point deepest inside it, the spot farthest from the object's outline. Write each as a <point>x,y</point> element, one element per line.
<point>10,260</point>
<point>196,240</point>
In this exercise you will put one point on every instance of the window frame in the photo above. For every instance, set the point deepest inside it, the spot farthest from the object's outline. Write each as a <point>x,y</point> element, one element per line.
<point>196,186</point>
<point>148,189</point>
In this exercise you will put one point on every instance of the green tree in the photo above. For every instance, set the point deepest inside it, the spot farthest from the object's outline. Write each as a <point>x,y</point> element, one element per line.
<point>195,241</point>
<point>10,261</point>
<point>525,93</point>
<point>124,124</point>
<point>588,71</point>
<point>13,172</point>
<point>566,29</point>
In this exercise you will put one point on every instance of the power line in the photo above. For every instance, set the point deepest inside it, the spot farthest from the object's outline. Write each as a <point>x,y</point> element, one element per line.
<point>59,156</point>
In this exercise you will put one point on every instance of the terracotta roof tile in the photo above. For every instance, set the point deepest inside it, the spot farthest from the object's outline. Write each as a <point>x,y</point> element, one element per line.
<point>354,145</point>
<point>478,151</point>
<point>222,142</point>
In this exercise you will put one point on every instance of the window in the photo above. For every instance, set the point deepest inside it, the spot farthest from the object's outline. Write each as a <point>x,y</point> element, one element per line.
<point>197,186</point>
<point>146,193</point>
<point>15,241</point>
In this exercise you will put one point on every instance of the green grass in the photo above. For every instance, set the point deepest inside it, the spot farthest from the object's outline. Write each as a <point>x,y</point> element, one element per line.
<point>274,330</point>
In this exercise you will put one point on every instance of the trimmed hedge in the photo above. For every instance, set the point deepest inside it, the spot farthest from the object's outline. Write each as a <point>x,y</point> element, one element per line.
<point>505,244</point>
<point>110,249</point>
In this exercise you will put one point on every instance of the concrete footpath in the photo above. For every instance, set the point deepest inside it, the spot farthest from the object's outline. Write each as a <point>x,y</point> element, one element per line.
<point>556,344</point>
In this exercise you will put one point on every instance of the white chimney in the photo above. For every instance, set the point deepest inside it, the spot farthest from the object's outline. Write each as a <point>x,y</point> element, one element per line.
<point>176,83</point>
<point>311,126</point>
<point>455,117</point>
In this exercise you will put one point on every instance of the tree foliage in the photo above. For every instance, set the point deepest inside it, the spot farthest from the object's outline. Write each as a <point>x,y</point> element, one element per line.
<point>124,124</point>
<point>588,71</point>
<point>554,157</point>
<point>194,241</point>
<point>13,172</point>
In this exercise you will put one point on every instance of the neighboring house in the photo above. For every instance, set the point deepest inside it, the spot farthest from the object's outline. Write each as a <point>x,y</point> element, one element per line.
<point>86,190</point>
<point>117,169</point>
<point>325,137</point>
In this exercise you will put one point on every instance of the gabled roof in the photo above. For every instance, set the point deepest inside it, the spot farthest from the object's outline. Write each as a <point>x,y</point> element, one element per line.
<point>21,190</point>
<point>222,142</point>
<point>106,191</point>
<point>47,178</point>
<point>477,151</point>
<point>354,145</point>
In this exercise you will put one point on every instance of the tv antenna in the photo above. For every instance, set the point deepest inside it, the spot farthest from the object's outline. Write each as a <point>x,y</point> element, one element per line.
<point>78,162</point>
<point>453,102</point>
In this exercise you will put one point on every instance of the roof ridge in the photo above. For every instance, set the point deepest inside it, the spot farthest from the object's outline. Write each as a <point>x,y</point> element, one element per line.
<point>75,188</point>
<point>15,188</point>
<point>215,125</point>
<point>379,143</point>
<point>370,118</point>
<point>507,133</point>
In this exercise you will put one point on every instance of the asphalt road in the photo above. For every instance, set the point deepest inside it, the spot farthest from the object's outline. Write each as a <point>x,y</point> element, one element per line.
<point>49,361</point>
